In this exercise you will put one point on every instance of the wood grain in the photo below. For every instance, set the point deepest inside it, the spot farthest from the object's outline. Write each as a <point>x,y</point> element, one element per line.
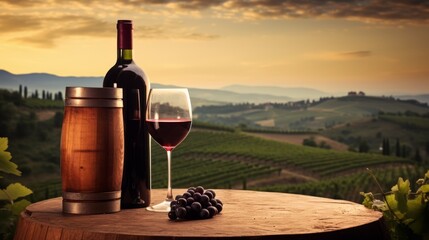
<point>246,215</point>
<point>92,149</point>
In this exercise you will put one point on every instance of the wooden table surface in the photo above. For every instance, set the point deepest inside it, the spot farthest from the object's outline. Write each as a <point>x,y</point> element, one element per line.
<point>246,215</point>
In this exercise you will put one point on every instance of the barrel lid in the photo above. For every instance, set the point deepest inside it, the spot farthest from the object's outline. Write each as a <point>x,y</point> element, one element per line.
<point>94,92</point>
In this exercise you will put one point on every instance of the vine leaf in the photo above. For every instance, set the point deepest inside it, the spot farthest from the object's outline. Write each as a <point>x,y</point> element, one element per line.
<point>5,164</point>
<point>401,191</point>
<point>19,206</point>
<point>14,191</point>
<point>423,189</point>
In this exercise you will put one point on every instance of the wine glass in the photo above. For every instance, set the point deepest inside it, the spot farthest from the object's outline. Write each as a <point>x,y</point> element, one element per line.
<point>169,119</point>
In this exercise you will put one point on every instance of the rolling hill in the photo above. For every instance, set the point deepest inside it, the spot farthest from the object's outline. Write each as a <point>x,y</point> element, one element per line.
<point>199,96</point>
<point>295,93</point>
<point>311,116</point>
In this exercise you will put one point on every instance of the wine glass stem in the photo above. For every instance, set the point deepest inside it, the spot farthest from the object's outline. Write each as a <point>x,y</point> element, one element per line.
<point>169,190</point>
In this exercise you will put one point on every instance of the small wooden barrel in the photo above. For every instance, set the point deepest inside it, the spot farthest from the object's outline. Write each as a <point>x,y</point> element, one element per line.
<point>92,150</point>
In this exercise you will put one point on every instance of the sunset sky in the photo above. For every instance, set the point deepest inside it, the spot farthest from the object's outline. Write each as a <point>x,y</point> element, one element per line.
<point>377,46</point>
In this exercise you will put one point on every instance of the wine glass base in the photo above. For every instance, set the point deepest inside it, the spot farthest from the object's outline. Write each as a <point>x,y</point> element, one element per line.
<point>160,207</point>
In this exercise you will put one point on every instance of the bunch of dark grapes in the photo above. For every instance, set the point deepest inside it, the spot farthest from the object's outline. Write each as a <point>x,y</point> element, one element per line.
<point>196,203</point>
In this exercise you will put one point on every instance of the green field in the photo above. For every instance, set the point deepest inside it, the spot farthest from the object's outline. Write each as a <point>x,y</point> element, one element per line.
<point>212,156</point>
<point>217,159</point>
<point>349,186</point>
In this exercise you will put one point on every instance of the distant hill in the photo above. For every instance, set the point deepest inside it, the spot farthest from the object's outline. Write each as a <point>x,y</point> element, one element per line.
<point>228,94</point>
<point>296,93</point>
<point>49,82</point>
<point>54,83</point>
<point>232,97</point>
<point>302,116</point>
<point>424,98</point>
<point>368,105</point>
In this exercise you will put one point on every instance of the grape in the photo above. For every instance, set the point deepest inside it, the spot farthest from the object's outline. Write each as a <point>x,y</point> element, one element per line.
<point>186,195</point>
<point>219,207</point>
<point>213,211</point>
<point>195,203</point>
<point>204,200</point>
<point>213,192</point>
<point>192,192</point>
<point>209,194</point>
<point>181,202</point>
<point>199,189</point>
<point>197,196</point>
<point>196,206</point>
<point>172,215</point>
<point>188,210</point>
<point>181,212</point>
<point>204,213</point>
<point>190,200</point>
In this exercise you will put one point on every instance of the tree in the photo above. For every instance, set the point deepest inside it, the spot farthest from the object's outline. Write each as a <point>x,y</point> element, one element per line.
<point>25,92</point>
<point>60,96</point>
<point>398,148</point>
<point>20,90</point>
<point>386,146</point>
<point>406,151</point>
<point>309,142</point>
<point>43,94</point>
<point>417,156</point>
<point>36,94</point>
<point>363,147</point>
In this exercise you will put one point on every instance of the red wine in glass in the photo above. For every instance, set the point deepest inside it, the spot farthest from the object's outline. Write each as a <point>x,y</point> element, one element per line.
<point>169,132</point>
<point>168,120</point>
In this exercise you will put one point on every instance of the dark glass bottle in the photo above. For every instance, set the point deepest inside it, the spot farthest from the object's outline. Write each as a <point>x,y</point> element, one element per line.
<point>126,74</point>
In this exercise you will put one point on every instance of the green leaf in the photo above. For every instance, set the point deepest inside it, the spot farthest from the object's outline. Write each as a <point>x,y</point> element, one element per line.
<point>14,191</point>
<point>19,206</point>
<point>401,191</point>
<point>423,189</point>
<point>416,211</point>
<point>3,144</point>
<point>5,164</point>
<point>427,175</point>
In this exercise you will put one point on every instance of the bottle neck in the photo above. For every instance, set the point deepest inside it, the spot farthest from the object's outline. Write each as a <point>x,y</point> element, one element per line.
<point>125,55</point>
<point>125,41</point>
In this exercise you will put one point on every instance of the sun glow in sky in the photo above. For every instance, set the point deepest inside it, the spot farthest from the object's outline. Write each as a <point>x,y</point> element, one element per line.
<point>378,46</point>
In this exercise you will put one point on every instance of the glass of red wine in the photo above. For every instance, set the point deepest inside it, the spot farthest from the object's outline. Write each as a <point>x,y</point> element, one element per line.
<point>169,119</point>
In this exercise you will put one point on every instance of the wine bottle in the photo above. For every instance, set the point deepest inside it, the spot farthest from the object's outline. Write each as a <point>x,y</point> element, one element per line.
<point>125,74</point>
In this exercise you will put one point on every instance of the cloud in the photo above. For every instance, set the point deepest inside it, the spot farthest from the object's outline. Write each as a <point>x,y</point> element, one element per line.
<point>368,11</point>
<point>44,30</point>
<point>356,54</point>
<point>341,56</point>
<point>12,23</point>
<point>384,11</point>
<point>42,23</point>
